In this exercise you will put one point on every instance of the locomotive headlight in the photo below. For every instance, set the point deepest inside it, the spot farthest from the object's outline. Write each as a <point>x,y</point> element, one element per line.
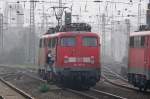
<point>92,59</point>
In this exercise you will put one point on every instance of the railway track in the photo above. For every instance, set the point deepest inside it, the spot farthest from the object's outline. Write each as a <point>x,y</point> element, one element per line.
<point>114,74</point>
<point>9,91</point>
<point>90,94</point>
<point>115,79</point>
<point>98,92</point>
<point>106,94</point>
<point>31,75</point>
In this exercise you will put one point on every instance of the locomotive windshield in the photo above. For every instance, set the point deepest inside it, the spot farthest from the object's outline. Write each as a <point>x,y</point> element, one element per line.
<point>52,42</point>
<point>137,41</point>
<point>68,41</point>
<point>89,41</point>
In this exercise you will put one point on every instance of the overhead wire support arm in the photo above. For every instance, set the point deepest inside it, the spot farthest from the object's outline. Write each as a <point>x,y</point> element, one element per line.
<point>58,13</point>
<point>98,1</point>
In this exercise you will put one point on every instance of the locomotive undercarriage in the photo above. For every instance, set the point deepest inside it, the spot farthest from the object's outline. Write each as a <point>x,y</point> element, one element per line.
<point>79,79</point>
<point>72,78</point>
<point>139,81</point>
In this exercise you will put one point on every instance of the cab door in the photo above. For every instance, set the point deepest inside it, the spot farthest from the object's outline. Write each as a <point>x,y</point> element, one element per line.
<point>41,59</point>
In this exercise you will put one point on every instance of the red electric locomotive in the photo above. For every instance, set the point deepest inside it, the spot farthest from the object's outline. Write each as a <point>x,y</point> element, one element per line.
<point>139,59</point>
<point>76,56</point>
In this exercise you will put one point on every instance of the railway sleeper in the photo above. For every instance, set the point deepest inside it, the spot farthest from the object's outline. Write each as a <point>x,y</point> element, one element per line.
<point>77,81</point>
<point>72,79</point>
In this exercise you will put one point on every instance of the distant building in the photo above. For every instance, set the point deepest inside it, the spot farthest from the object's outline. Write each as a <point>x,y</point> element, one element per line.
<point>14,15</point>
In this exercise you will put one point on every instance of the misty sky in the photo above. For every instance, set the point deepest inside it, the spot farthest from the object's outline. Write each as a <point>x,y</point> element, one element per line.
<point>87,10</point>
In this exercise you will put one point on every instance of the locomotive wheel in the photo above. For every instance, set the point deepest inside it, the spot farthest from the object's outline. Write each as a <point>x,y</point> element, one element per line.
<point>140,88</point>
<point>145,87</point>
<point>81,87</point>
<point>85,87</point>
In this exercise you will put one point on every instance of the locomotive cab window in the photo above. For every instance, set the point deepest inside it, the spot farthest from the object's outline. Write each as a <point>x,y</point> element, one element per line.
<point>131,41</point>
<point>142,41</point>
<point>52,42</point>
<point>40,43</point>
<point>68,41</point>
<point>45,42</point>
<point>89,41</point>
<point>137,41</point>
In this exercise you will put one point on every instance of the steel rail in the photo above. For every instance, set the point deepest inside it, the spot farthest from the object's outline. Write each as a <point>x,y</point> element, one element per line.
<point>119,85</point>
<point>82,93</point>
<point>34,77</point>
<point>24,94</point>
<point>108,94</point>
<point>87,96</point>
<point>119,76</point>
<point>116,84</point>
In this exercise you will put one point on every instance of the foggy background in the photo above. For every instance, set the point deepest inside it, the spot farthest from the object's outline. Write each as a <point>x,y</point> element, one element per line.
<point>113,20</point>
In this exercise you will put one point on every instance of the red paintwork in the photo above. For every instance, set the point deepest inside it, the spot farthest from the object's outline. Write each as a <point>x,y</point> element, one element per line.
<point>77,51</point>
<point>136,57</point>
<point>147,53</point>
<point>139,61</point>
<point>140,57</point>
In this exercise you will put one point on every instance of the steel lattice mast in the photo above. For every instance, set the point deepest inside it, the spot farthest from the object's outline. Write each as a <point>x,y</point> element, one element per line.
<point>1,32</point>
<point>60,10</point>
<point>31,40</point>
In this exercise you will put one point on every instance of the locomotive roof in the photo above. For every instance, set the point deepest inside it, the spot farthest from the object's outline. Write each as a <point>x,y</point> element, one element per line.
<point>68,34</point>
<point>140,33</point>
